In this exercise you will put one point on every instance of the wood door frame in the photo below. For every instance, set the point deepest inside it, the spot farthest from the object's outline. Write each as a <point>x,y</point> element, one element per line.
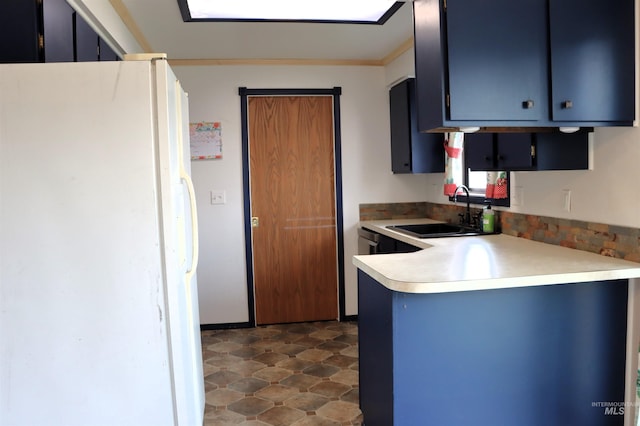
<point>337,158</point>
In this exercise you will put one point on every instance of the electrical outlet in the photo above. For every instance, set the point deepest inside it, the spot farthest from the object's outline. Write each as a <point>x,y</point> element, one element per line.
<point>567,200</point>
<point>218,197</point>
<point>517,198</point>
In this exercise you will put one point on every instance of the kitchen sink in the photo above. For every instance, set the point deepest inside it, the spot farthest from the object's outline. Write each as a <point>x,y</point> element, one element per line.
<point>435,230</point>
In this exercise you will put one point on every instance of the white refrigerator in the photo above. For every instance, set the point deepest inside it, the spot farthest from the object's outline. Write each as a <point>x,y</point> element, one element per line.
<point>98,247</point>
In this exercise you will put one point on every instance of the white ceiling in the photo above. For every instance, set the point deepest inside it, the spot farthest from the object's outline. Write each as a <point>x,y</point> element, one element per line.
<point>161,26</point>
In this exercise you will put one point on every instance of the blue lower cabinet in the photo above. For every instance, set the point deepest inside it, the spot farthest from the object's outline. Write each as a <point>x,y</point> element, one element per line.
<point>531,356</point>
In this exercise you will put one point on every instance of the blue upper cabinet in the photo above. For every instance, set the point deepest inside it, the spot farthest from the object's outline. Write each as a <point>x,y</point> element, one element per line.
<point>592,60</point>
<point>525,63</point>
<point>19,41</point>
<point>411,151</point>
<point>47,31</point>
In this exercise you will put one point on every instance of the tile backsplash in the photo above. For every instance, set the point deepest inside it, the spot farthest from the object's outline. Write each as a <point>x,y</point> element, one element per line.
<point>607,240</point>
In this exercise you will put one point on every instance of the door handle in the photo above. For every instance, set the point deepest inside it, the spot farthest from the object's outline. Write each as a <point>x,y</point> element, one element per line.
<point>184,176</point>
<point>255,221</point>
<point>528,104</point>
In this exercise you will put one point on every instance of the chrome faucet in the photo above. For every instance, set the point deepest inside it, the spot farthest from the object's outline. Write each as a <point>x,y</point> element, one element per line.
<point>466,218</point>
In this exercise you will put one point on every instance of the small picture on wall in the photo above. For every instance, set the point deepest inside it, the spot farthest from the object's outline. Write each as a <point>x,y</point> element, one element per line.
<point>205,139</point>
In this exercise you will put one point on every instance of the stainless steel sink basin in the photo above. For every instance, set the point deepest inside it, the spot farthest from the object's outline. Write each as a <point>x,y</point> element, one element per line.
<point>435,230</point>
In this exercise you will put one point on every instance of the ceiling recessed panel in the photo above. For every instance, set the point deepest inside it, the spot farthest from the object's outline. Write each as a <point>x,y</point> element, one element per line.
<point>339,11</point>
<point>161,23</point>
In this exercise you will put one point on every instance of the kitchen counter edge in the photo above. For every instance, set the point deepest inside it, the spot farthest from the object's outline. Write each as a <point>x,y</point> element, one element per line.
<point>484,262</point>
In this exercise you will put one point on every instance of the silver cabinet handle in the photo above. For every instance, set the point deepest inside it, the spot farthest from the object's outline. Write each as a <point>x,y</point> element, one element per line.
<point>528,104</point>
<point>567,104</point>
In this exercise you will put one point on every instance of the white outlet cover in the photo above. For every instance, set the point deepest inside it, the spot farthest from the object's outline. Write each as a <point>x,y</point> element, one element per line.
<point>517,198</point>
<point>567,200</point>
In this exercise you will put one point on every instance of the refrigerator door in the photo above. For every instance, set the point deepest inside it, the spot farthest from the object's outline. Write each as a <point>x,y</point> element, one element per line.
<point>180,245</point>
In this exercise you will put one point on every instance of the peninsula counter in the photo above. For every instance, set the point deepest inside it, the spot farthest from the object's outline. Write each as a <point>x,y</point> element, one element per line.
<point>495,330</point>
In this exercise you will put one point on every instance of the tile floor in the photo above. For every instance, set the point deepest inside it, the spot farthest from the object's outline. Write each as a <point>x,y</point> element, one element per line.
<point>290,374</point>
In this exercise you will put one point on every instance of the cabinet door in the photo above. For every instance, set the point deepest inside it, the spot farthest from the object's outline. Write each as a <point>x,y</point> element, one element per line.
<point>386,245</point>
<point>592,60</point>
<point>497,52</point>
<point>58,31</point>
<point>86,41</point>
<point>498,151</point>
<point>513,151</point>
<point>402,247</point>
<point>479,151</point>
<point>400,128</point>
<point>412,151</point>
<point>19,31</point>
<point>562,151</point>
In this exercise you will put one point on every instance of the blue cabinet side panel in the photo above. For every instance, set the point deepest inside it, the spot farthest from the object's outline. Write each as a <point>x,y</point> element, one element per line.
<point>430,59</point>
<point>375,356</point>
<point>523,356</point>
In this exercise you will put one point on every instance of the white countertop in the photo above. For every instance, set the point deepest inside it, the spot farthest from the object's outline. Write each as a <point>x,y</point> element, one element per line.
<point>484,262</point>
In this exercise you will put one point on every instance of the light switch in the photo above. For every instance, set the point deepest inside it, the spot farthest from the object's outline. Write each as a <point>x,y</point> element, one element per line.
<point>218,196</point>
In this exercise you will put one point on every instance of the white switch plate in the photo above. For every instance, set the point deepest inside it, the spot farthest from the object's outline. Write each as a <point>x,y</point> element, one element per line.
<point>218,196</point>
